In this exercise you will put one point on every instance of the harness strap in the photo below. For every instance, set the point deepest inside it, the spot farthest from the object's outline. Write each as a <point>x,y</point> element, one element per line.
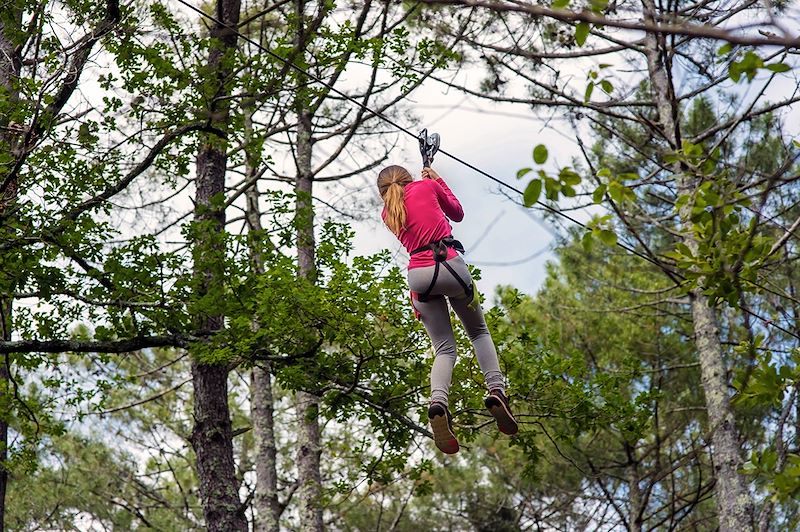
<point>439,248</point>
<point>448,241</point>
<point>426,294</point>
<point>468,289</point>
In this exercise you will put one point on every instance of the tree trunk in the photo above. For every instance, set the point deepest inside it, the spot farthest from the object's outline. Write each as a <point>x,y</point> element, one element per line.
<point>308,440</point>
<point>308,462</point>
<point>635,500</point>
<point>268,508</point>
<point>10,64</point>
<point>734,504</point>
<point>213,444</point>
<point>212,436</point>
<point>307,406</point>
<point>5,400</point>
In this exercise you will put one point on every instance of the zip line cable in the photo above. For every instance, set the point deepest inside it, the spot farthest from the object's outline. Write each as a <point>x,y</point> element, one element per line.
<point>654,261</point>
<point>405,130</point>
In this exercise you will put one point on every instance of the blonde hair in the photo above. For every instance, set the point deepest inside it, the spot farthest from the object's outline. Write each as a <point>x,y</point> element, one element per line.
<point>391,182</point>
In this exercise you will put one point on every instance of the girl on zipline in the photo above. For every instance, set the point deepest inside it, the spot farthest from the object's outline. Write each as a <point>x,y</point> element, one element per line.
<point>417,213</point>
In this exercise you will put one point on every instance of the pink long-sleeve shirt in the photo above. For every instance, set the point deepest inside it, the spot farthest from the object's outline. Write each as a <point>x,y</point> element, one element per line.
<point>429,203</point>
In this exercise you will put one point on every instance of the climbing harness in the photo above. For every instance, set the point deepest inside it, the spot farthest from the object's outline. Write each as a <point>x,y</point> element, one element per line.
<point>439,248</point>
<point>428,146</point>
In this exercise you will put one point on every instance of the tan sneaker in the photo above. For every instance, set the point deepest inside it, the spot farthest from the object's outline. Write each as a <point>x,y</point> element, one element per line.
<point>497,403</point>
<point>442,426</point>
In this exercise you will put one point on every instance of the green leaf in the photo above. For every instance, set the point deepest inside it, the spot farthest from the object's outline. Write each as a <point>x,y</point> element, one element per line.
<point>540,154</point>
<point>735,72</point>
<point>691,149</point>
<point>560,4</point>
<point>532,192</point>
<point>581,32</point>
<point>796,143</point>
<point>608,237</point>
<point>604,172</point>
<point>615,191</point>
<point>589,89</point>
<point>569,176</point>
<point>551,188</point>
<point>587,241</point>
<point>607,87</point>
<point>598,194</point>
<point>778,67</point>
<point>725,49</point>
<point>522,172</point>
<point>684,250</point>
<point>85,135</point>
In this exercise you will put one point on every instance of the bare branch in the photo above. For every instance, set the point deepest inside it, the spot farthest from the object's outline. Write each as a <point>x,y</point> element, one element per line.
<point>87,346</point>
<point>140,402</point>
<point>651,26</point>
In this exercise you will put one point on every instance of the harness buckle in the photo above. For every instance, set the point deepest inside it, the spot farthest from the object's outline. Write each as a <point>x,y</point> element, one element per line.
<point>439,249</point>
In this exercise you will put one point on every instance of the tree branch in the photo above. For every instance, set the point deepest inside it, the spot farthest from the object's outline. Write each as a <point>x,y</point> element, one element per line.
<point>651,26</point>
<point>62,96</point>
<point>85,346</point>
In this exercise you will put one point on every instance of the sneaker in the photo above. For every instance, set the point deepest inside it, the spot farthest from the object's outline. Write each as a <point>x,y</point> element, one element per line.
<point>497,403</point>
<point>442,425</point>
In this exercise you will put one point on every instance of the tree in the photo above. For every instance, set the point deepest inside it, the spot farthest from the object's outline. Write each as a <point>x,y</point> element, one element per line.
<point>617,322</point>
<point>91,472</point>
<point>212,435</point>
<point>29,112</point>
<point>69,231</point>
<point>135,293</point>
<point>522,46</point>
<point>610,402</point>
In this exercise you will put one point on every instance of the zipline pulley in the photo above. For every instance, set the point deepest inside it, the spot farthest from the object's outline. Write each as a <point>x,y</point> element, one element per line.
<point>428,146</point>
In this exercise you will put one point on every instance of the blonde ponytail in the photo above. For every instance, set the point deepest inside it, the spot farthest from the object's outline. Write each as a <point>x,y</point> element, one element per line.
<point>391,184</point>
<point>395,208</point>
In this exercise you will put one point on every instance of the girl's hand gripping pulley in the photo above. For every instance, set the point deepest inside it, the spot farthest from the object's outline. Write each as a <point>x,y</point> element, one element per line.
<point>428,146</point>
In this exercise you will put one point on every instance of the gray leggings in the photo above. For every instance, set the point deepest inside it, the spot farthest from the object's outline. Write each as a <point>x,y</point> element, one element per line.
<point>435,316</point>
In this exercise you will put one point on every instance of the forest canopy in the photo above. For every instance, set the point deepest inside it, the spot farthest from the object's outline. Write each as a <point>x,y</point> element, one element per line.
<point>206,324</point>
